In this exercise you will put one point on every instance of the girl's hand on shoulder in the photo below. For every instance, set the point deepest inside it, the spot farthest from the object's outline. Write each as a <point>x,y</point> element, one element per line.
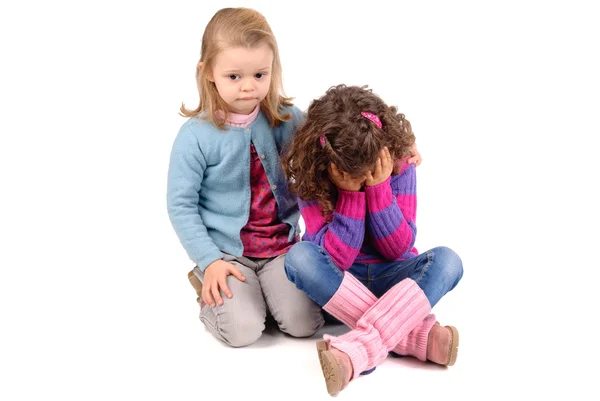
<point>215,281</point>
<point>383,168</point>
<point>415,156</point>
<point>345,181</point>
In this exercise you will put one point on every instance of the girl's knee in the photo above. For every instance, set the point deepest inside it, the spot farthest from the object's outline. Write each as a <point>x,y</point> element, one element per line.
<point>303,324</point>
<point>237,328</point>
<point>453,267</point>
<point>242,333</point>
<point>299,260</point>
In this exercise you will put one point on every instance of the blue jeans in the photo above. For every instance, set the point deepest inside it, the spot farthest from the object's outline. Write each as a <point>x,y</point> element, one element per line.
<point>311,269</point>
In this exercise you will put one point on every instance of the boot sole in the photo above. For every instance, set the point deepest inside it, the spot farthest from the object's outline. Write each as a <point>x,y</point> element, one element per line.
<point>330,368</point>
<point>453,353</point>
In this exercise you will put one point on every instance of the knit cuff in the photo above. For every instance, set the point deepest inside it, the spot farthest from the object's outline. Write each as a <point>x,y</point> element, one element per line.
<point>350,301</point>
<point>363,347</point>
<point>415,343</point>
<point>422,338</point>
<point>351,204</point>
<point>379,197</point>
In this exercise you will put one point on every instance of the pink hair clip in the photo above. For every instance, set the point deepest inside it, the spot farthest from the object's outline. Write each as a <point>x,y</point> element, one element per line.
<point>372,117</point>
<point>322,140</point>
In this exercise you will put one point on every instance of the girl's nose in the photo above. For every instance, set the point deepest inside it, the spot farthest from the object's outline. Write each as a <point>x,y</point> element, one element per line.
<point>247,85</point>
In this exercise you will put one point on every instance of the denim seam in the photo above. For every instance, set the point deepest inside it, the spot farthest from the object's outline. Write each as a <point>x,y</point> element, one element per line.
<point>386,275</point>
<point>338,271</point>
<point>424,269</point>
<point>393,273</point>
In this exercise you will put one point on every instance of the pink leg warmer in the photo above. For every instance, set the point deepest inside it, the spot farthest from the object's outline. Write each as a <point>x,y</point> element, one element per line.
<point>391,318</point>
<point>353,299</point>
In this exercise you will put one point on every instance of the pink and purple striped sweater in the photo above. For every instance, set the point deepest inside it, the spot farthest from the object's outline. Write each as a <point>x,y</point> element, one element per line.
<point>373,226</point>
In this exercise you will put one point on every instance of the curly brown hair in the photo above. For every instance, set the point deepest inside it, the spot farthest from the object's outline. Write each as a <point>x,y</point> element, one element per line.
<point>352,142</point>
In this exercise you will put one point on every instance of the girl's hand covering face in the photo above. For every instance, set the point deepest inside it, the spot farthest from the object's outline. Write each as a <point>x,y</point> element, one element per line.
<point>345,181</point>
<point>383,169</point>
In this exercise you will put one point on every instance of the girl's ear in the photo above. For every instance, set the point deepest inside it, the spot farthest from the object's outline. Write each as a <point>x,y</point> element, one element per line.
<point>210,75</point>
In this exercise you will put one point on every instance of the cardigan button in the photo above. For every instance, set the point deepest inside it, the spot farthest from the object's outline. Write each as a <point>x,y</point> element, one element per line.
<point>274,187</point>
<point>262,157</point>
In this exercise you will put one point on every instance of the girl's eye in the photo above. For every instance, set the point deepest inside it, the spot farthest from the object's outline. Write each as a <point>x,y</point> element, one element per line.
<point>259,75</point>
<point>233,77</point>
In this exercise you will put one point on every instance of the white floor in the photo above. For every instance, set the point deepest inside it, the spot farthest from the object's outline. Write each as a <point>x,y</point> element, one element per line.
<point>112,342</point>
<point>278,367</point>
<point>495,362</point>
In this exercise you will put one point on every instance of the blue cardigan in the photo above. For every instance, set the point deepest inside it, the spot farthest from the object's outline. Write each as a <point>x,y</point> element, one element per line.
<point>208,189</point>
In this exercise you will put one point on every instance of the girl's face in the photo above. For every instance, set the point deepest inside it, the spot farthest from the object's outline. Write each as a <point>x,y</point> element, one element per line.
<point>243,76</point>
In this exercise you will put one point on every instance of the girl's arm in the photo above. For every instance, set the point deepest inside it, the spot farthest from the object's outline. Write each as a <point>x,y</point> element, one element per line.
<point>186,170</point>
<point>391,208</point>
<point>344,235</point>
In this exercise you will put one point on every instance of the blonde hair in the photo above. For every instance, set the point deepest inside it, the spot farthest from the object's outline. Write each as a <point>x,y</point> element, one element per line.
<point>237,27</point>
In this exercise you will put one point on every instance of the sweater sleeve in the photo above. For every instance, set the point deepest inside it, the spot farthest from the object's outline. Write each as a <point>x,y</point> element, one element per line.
<point>186,170</point>
<point>391,208</point>
<point>343,236</point>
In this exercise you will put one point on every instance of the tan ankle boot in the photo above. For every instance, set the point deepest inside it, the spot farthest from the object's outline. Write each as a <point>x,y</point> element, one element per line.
<point>197,284</point>
<point>442,345</point>
<point>336,366</point>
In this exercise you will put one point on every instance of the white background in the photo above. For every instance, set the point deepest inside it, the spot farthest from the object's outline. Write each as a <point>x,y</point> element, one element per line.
<point>94,299</point>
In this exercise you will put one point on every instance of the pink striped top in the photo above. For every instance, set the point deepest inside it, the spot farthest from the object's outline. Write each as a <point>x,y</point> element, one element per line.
<point>373,226</point>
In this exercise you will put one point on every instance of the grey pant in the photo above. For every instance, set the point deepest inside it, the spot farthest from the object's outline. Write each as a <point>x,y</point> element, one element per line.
<point>240,320</point>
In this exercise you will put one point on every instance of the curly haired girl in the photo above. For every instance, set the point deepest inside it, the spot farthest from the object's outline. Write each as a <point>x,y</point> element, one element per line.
<point>357,193</point>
